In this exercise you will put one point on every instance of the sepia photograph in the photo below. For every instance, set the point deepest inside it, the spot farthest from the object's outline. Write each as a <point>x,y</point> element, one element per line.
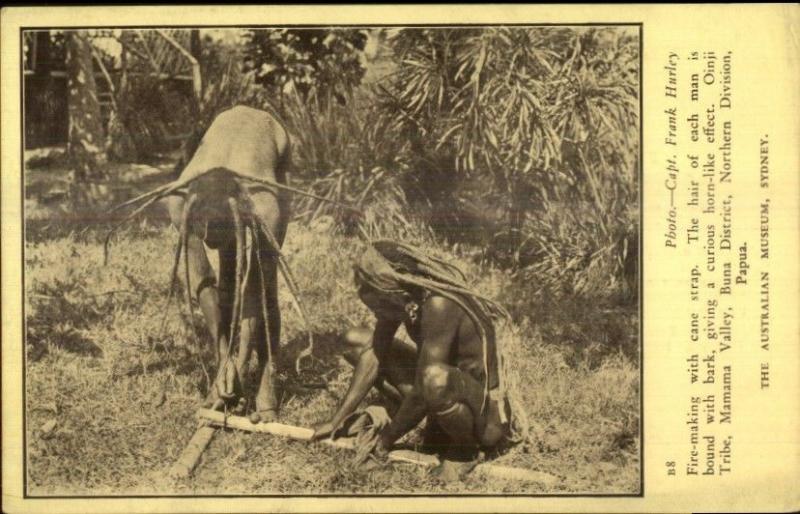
<point>332,260</point>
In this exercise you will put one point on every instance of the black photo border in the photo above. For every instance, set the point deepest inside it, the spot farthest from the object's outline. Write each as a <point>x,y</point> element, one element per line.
<point>639,494</point>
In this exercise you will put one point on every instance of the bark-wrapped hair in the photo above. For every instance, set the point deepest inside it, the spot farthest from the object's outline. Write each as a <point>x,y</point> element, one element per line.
<point>227,186</point>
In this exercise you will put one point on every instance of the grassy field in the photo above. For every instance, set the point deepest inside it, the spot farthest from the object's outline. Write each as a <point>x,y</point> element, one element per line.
<point>113,378</point>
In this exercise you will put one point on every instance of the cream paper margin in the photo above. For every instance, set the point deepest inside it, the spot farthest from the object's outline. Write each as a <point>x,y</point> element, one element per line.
<point>765,41</point>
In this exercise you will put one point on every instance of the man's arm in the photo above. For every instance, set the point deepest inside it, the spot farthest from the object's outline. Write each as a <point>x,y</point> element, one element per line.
<point>440,320</point>
<point>364,375</point>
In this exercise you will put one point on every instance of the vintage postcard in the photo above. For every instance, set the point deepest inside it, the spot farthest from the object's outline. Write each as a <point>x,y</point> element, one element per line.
<point>400,258</point>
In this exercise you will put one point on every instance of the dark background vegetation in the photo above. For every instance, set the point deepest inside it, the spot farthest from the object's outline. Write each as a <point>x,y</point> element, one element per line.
<point>513,151</point>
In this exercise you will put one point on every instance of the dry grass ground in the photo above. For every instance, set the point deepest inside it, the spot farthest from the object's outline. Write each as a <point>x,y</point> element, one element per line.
<point>111,393</point>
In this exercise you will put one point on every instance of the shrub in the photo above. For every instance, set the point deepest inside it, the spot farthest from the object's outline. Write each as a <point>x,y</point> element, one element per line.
<point>550,114</point>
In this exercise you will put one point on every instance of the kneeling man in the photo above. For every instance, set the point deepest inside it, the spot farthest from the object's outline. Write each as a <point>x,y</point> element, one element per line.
<point>451,372</point>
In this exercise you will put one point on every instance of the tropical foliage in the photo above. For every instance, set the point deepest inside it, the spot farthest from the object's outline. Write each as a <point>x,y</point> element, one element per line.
<point>549,113</point>
<point>325,61</point>
<point>522,141</point>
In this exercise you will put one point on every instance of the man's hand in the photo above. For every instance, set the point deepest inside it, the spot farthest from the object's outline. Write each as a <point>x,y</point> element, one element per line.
<point>372,456</point>
<point>227,381</point>
<point>226,391</point>
<point>322,430</point>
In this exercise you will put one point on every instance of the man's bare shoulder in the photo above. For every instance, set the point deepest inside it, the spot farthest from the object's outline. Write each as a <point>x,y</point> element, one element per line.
<point>441,307</point>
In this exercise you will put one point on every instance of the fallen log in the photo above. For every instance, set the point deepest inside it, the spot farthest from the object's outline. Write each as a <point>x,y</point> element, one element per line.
<point>219,419</point>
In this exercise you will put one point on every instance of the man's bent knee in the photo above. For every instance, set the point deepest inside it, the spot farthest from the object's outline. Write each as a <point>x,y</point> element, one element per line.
<point>358,337</point>
<point>357,341</point>
<point>434,387</point>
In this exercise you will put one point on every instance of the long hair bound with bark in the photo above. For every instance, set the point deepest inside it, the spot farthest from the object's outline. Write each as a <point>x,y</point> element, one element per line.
<point>223,187</point>
<point>391,267</point>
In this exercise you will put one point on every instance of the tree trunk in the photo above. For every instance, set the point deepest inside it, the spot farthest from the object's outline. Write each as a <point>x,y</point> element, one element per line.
<point>40,115</point>
<point>196,49</point>
<point>85,145</point>
<point>121,144</point>
<point>42,57</point>
<point>197,127</point>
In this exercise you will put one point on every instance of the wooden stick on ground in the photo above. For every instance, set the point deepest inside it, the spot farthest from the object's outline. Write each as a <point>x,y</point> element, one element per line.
<point>421,459</point>
<point>219,419</point>
<point>190,456</point>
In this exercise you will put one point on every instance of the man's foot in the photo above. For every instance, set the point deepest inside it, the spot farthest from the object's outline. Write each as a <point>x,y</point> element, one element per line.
<point>226,386</point>
<point>236,406</point>
<point>213,402</point>
<point>266,399</point>
<point>452,470</point>
<point>264,416</point>
<point>457,462</point>
<point>226,392</point>
<point>239,408</point>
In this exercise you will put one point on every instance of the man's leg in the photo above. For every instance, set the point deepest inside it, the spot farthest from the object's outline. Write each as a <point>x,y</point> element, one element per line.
<point>269,211</point>
<point>204,288</point>
<point>225,383</point>
<point>201,275</point>
<point>456,400</point>
<point>265,340</point>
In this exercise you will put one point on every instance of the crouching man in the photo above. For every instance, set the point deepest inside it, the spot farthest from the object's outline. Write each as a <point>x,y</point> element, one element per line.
<point>451,372</point>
